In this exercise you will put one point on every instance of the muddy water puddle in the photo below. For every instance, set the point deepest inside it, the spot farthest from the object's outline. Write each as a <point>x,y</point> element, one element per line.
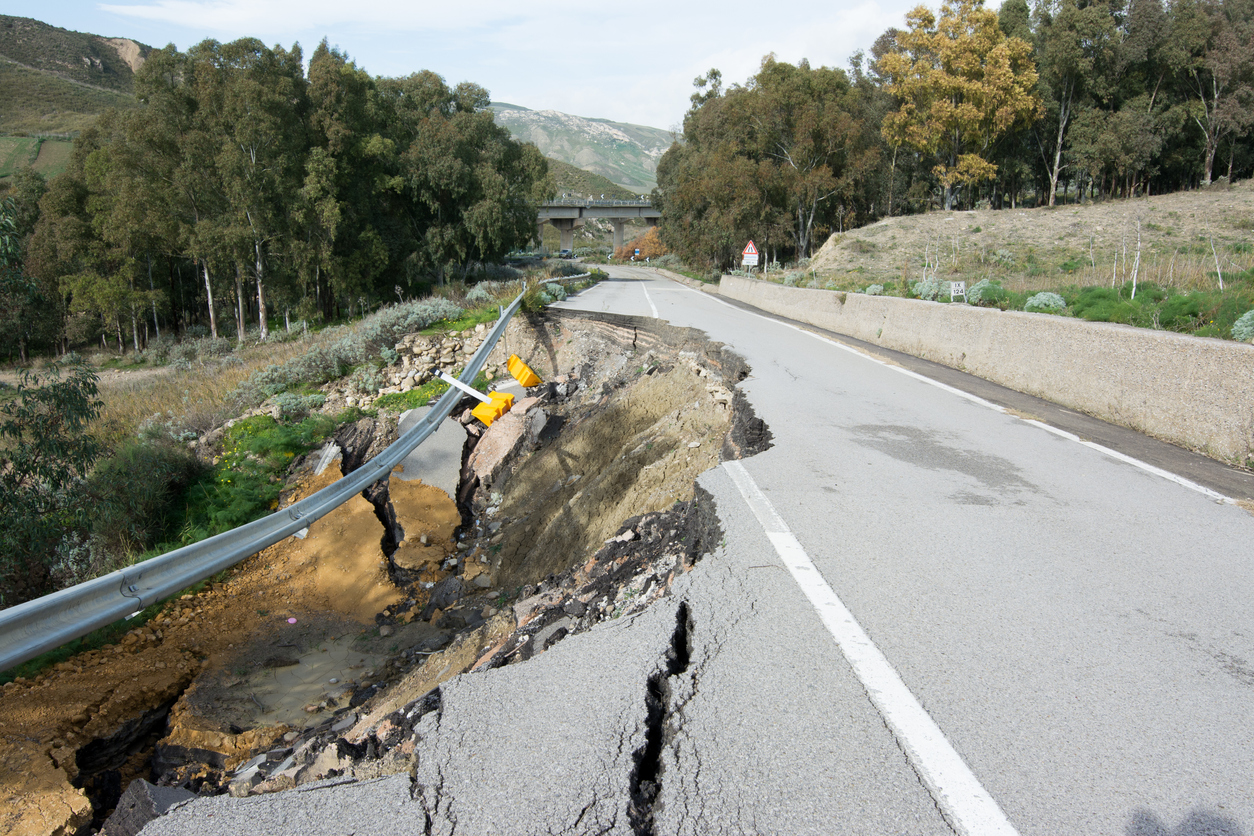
<point>296,689</point>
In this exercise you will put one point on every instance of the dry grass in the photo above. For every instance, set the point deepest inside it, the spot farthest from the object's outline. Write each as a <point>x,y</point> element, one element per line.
<point>199,399</point>
<point>1039,249</point>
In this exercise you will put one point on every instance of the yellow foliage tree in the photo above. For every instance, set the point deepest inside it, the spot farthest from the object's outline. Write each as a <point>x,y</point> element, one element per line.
<point>649,244</point>
<point>961,84</point>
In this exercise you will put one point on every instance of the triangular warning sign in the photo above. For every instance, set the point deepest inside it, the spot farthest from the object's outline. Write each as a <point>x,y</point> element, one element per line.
<point>751,250</point>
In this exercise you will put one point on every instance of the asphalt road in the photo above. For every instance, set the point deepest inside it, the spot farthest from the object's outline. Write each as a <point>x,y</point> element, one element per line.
<point>928,615</point>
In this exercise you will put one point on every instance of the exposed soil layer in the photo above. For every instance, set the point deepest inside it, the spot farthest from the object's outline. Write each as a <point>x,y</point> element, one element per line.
<point>317,656</point>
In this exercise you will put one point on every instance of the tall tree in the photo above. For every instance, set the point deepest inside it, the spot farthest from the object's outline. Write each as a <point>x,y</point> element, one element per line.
<point>1077,47</point>
<point>1212,50</point>
<point>961,84</point>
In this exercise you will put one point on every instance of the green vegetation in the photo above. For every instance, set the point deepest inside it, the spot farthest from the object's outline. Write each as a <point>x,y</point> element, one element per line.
<point>966,108</point>
<point>572,182</point>
<point>245,481</point>
<point>45,450</point>
<point>424,394</point>
<point>40,102</point>
<point>230,192</point>
<point>16,152</point>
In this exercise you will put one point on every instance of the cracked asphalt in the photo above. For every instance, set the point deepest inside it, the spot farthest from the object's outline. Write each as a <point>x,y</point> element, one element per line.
<point>1078,629</point>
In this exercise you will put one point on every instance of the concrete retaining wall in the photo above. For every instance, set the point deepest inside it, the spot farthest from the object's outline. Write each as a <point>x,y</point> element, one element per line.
<point>1195,392</point>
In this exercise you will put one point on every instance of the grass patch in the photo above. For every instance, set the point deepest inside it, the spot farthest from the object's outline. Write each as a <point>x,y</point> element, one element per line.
<point>465,322</point>
<point>16,152</point>
<point>245,481</point>
<point>42,102</point>
<point>423,395</point>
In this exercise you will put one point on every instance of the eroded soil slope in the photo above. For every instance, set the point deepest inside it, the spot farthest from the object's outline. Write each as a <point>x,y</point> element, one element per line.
<point>316,656</point>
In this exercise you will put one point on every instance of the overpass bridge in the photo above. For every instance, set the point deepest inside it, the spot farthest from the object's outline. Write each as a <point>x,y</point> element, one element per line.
<point>568,214</point>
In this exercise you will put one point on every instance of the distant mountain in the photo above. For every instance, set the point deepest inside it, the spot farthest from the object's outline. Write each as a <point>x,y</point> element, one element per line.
<point>623,153</point>
<point>53,80</point>
<point>87,59</point>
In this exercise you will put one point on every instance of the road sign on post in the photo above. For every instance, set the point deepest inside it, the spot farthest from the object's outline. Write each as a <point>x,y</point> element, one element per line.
<point>750,255</point>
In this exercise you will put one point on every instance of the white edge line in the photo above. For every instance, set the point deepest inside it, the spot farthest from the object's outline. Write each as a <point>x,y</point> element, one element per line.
<point>967,806</point>
<point>649,299</point>
<point>976,399</point>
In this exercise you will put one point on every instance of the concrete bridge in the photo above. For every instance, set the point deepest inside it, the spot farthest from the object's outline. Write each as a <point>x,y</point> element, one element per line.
<point>568,214</point>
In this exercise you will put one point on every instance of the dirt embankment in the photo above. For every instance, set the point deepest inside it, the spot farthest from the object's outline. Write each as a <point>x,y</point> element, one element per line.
<point>994,241</point>
<point>317,656</point>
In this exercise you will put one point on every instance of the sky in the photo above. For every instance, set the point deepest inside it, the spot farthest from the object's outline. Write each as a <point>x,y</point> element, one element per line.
<point>629,62</point>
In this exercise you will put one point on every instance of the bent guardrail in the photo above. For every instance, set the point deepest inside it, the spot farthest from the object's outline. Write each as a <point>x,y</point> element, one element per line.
<point>37,626</point>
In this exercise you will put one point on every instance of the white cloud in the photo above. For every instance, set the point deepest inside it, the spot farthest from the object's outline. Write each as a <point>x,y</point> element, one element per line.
<point>280,15</point>
<point>631,64</point>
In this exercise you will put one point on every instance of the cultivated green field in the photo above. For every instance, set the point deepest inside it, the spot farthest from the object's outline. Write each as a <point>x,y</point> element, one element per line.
<point>16,152</point>
<point>49,157</point>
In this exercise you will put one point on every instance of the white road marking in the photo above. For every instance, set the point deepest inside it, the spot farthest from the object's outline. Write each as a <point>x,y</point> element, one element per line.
<point>976,399</point>
<point>649,299</point>
<point>966,805</point>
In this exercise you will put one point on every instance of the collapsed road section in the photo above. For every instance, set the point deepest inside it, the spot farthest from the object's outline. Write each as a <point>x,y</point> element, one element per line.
<point>576,508</point>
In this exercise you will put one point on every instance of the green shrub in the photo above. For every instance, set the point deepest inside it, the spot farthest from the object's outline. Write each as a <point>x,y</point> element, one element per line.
<point>136,494</point>
<point>1243,328</point>
<point>45,451</point>
<point>292,406</point>
<point>245,481</point>
<point>1045,302</point>
<point>927,289</point>
<point>874,290</point>
<point>1103,304</point>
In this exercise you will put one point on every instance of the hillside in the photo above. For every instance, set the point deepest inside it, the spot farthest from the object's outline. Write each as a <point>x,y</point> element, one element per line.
<point>1041,248</point>
<point>108,63</point>
<point>576,183</point>
<point>622,153</point>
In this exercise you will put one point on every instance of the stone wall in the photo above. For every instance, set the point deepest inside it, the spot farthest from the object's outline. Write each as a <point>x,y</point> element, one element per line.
<point>1195,392</point>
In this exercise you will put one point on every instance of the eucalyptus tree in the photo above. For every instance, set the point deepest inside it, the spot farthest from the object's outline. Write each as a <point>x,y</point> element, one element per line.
<point>1077,47</point>
<point>1212,53</point>
<point>961,84</point>
<point>780,160</point>
<point>469,191</point>
<point>260,154</point>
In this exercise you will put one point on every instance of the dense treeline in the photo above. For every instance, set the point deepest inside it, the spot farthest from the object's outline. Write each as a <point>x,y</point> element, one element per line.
<point>243,188</point>
<point>1068,100</point>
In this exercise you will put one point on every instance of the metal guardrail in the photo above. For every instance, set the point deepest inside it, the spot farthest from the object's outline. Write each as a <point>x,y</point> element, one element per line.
<point>37,626</point>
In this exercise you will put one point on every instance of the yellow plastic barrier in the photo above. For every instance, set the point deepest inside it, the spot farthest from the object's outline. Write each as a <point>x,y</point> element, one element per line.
<point>522,372</point>
<point>489,412</point>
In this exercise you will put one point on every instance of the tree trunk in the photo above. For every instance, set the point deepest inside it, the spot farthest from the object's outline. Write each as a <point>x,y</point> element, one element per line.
<point>153,290</point>
<point>261,294</point>
<point>239,304</point>
<point>213,317</point>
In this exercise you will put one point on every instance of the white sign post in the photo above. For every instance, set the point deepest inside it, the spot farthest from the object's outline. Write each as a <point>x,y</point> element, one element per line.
<point>750,255</point>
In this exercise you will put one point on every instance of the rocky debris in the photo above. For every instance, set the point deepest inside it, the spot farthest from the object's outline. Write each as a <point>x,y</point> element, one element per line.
<point>500,444</point>
<point>418,355</point>
<point>141,803</point>
<point>629,573</point>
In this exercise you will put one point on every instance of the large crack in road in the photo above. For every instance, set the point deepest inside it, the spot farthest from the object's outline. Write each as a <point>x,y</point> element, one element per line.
<point>579,508</point>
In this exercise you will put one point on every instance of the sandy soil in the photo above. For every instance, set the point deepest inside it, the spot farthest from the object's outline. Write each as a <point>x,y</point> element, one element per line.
<point>279,604</point>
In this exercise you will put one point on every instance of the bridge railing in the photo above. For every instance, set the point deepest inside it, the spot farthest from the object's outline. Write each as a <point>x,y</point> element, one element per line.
<point>633,204</point>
